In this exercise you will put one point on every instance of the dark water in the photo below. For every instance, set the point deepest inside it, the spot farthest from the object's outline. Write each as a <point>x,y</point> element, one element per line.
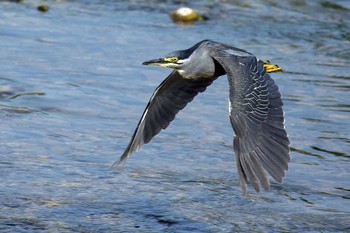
<point>85,57</point>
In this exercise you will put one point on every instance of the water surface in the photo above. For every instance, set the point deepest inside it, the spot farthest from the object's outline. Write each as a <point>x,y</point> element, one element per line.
<point>57,149</point>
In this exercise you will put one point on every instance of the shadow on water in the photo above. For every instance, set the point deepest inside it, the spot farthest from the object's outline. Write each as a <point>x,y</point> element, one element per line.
<point>306,152</point>
<point>331,152</point>
<point>7,94</point>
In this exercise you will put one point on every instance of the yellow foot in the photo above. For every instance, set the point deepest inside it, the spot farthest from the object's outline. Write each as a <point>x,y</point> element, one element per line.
<point>272,67</point>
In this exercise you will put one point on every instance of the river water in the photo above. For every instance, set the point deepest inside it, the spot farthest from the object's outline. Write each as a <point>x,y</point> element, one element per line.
<point>72,89</point>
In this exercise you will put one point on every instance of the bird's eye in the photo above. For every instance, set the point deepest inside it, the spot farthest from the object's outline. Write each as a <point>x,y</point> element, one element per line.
<point>172,59</point>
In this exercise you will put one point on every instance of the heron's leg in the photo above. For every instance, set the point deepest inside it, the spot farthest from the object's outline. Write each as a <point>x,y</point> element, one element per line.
<point>272,67</point>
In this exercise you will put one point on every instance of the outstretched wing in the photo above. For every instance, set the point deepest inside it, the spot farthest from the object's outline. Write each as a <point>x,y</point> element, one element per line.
<point>168,99</point>
<point>261,143</point>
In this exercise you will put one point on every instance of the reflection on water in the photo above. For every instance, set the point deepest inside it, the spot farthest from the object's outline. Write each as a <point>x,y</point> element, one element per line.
<point>72,89</point>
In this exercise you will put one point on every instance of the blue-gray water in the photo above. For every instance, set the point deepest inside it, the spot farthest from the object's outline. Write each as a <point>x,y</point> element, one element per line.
<point>57,149</point>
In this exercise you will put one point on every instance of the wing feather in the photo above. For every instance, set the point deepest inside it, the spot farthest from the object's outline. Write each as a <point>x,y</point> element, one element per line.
<point>172,95</point>
<point>261,143</point>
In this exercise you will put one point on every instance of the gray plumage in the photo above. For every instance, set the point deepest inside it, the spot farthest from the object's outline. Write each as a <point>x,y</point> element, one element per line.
<point>261,144</point>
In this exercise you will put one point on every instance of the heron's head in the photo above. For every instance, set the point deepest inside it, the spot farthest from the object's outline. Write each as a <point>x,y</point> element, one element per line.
<point>190,63</point>
<point>175,60</point>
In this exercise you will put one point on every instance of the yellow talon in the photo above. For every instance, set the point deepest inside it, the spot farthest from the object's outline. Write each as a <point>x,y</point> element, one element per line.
<point>272,67</point>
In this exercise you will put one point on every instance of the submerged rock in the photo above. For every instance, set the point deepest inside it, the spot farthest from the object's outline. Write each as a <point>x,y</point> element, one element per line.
<point>43,8</point>
<point>186,15</point>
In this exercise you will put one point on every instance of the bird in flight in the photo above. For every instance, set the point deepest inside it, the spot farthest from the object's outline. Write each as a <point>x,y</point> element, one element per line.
<point>261,143</point>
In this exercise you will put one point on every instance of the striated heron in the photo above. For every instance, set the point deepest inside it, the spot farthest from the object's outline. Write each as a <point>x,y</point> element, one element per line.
<point>261,144</point>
